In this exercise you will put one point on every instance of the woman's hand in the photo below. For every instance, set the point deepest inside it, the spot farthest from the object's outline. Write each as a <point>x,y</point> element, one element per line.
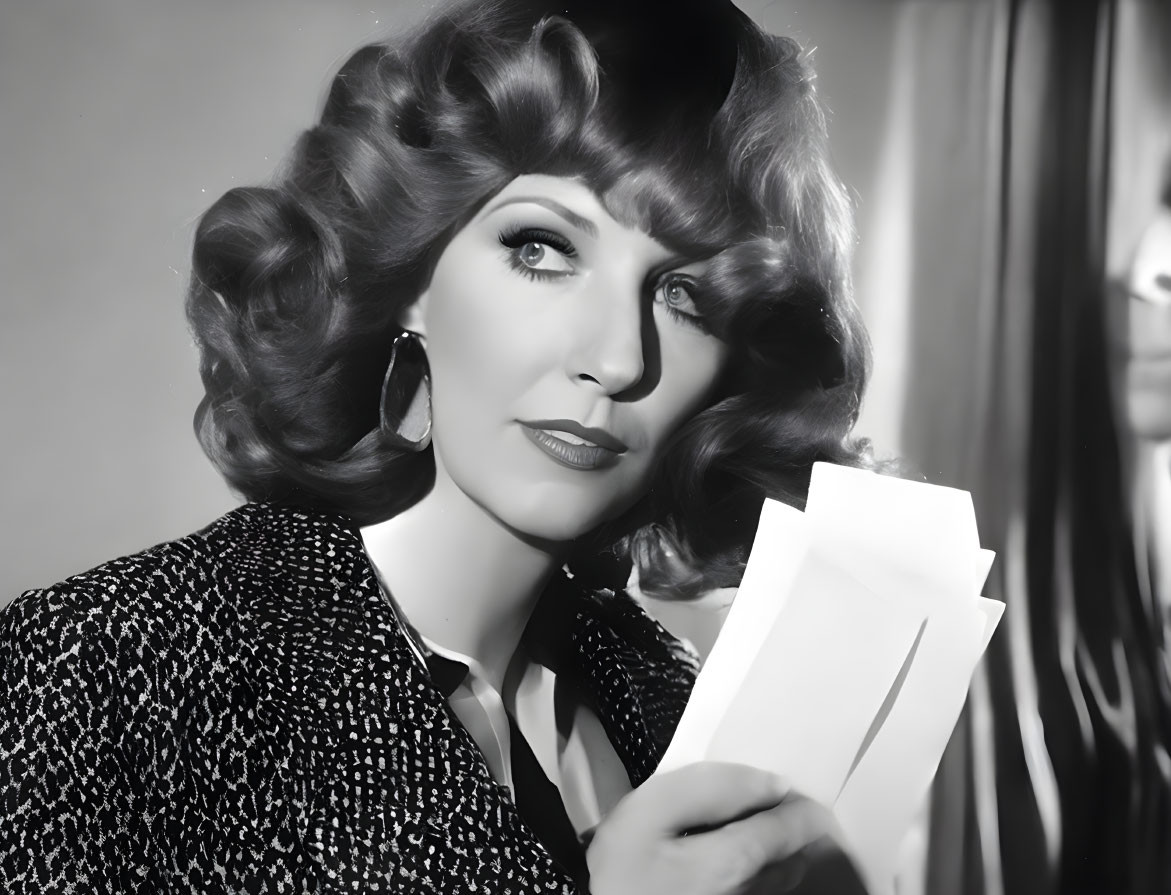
<point>707,829</point>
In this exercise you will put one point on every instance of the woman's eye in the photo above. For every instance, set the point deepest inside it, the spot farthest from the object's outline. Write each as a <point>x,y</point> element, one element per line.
<point>531,254</point>
<point>675,294</point>
<point>539,256</point>
<point>538,252</point>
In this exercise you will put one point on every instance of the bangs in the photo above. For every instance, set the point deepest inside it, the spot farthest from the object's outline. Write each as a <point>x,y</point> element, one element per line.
<point>671,207</point>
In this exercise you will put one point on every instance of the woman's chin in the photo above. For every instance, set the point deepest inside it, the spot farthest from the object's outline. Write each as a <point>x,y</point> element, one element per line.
<point>553,520</point>
<point>538,528</point>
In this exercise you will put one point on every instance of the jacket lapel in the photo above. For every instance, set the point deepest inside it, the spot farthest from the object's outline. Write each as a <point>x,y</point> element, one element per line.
<point>383,776</point>
<point>386,779</point>
<point>632,672</point>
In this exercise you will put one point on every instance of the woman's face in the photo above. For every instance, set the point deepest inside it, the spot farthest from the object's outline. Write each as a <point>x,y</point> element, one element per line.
<point>565,350</point>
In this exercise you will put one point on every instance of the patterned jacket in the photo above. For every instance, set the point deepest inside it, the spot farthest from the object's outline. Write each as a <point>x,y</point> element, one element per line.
<point>238,711</point>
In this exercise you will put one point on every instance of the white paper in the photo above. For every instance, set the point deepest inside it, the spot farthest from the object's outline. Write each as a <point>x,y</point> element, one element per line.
<point>777,553</point>
<point>845,658</point>
<point>787,681</point>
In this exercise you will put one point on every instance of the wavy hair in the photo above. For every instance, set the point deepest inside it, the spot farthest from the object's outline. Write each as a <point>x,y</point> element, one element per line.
<point>695,125</point>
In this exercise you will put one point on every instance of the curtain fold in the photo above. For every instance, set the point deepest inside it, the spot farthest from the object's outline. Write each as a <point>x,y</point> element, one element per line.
<point>1053,782</point>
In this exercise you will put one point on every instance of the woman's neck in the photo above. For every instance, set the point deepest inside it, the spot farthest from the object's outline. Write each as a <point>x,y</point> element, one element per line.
<point>463,578</point>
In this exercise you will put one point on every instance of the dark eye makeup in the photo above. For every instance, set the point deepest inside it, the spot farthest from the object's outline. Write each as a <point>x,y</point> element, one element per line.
<point>527,251</point>
<point>526,247</point>
<point>676,292</point>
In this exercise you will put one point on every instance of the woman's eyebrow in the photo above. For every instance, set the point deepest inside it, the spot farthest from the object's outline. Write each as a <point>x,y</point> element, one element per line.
<point>581,223</point>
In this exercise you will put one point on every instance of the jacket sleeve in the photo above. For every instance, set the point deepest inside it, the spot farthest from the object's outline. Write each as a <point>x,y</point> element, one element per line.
<point>68,821</point>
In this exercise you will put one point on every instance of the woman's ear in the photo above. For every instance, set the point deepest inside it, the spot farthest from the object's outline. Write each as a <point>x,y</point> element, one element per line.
<point>412,315</point>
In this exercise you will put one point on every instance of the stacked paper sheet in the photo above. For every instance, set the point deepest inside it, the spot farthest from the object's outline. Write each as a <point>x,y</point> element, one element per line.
<point>845,659</point>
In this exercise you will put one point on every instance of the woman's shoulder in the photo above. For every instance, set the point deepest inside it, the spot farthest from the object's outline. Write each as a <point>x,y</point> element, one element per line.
<point>180,597</point>
<point>161,690</point>
<point>247,544</point>
<point>155,584</point>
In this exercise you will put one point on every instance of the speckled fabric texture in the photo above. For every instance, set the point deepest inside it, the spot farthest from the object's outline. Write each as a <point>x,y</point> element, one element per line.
<point>238,711</point>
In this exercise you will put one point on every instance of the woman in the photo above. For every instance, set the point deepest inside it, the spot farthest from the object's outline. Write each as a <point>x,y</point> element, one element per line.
<point>551,287</point>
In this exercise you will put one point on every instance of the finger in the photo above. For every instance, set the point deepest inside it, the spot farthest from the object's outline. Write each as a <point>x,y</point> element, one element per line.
<point>739,851</point>
<point>706,794</point>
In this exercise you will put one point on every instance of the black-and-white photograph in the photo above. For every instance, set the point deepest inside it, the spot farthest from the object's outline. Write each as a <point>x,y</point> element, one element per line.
<point>581,446</point>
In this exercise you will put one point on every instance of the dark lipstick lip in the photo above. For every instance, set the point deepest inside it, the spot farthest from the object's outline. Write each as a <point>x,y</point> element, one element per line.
<point>600,437</point>
<point>575,456</point>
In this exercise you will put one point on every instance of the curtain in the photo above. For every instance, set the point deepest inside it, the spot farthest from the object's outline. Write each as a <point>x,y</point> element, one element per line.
<point>1019,186</point>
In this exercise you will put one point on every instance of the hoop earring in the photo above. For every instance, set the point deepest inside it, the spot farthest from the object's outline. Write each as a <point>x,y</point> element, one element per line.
<point>405,413</point>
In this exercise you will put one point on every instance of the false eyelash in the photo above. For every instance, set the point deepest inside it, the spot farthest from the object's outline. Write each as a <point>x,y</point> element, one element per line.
<point>514,239</point>
<point>694,320</point>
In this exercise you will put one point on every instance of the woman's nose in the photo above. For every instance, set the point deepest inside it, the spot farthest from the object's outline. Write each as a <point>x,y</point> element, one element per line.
<point>607,336</point>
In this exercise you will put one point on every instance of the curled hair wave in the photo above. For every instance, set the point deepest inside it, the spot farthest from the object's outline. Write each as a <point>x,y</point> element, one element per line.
<point>709,136</point>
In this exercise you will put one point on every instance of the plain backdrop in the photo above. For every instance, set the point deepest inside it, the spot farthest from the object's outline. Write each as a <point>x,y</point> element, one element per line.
<point>120,122</point>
